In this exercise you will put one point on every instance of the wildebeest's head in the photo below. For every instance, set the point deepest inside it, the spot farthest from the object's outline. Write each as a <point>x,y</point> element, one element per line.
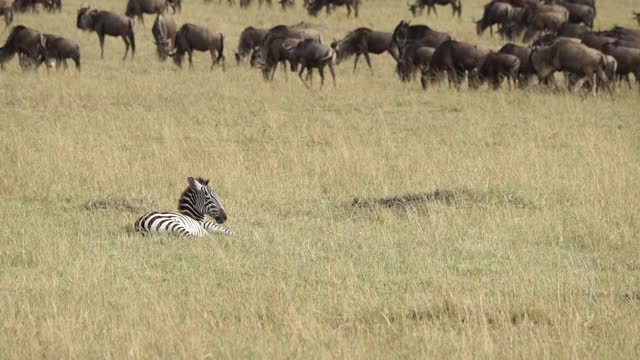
<point>400,33</point>
<point>84,20</point>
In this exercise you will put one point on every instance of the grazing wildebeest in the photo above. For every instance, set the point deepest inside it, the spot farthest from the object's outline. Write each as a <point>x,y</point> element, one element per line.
<point>164,32</point>
<point>363,41</point>
<point>628,61</point>
<point>419,5</point>
<point>543,18</point>
<point>573,58</point>
<point>525,70</point>
<point>416,58</point>
<point>60,49</point>
<point>314,6</point>
<point>250,38</point>
<point>272,50</point>
<point>137,8</point>
<point>636,15</point>
<point>495,13</point>
<point>497,66</point>
<point>6,10</point>
<point>29,44</point>
<point>107,23</point>
<point>193,37</point>
<point>309,55</point>
<point>405,36</point>
<point>520,3</point>
<point>456,58</point>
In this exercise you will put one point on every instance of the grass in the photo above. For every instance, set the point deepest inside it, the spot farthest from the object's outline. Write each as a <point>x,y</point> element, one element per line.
<point>535,254</point>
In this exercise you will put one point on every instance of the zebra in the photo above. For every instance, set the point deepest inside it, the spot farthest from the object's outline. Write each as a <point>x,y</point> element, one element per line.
<point>196,201</point>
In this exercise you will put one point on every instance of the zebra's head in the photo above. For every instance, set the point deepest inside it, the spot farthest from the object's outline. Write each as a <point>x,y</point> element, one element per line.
<point>199,200</point>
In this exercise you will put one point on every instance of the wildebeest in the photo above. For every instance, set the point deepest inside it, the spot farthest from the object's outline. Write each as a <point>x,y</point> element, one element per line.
<point>573,30</point>
<point>25,42</point>
<point>405,35</point>
<point>636,15</point>
<point>596,41</point>
<point>415,59</point>
<point>628,61</point>
<point>585,63</point>
<point>309,55</point>
<point>543,18</point>
<point>164,32</point>
<point>6,10</point>
<point>578,13</point>
<point>314,6</point>
<point>525,70</point>
<point>495,13</point>
<point>61,49</point>
<point>272,50</point>
<point>456,58</point>
<point>250,38</point>
<point>137,8</point>
<point>192,37</point>
<point>363,41</point>
<point>107,23</point>
<point>419,5</point>
<point>497,66</point>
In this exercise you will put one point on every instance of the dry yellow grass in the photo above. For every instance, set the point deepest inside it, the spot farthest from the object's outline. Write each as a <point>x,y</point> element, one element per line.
<point>536,256</point>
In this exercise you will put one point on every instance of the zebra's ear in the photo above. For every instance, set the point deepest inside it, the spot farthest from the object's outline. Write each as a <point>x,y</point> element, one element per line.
<point>194,184</point>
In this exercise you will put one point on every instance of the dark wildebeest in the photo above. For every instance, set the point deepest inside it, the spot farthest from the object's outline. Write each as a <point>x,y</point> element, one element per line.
<point>363,41</point>
<point>520,3</point>
<point>6,10</point>
<point>415,59</point>
<point>456,58</point>
<point>314,6</point>
<point>107,23</point>
<point>250,38</point>
<point>544,18</point>
<point>636,15</point>
<point>164,32</point>
<point>578,13</point>
<point>60,49</point>
<point>193,37</point>
<point>137,8</point>
<point>495,13</point>
<point>522,53</point>
<point>596,41</point>
<point>550,39</point>
<point>309,55</point>
<point>497,66</point>
<point>29,44</point>
<point>583,62</point>
<point>419,5</point>
<point>628,61</point>
<point>272,50</point>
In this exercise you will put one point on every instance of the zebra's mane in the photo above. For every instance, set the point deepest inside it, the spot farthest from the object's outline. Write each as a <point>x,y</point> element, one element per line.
<point>184,204</point>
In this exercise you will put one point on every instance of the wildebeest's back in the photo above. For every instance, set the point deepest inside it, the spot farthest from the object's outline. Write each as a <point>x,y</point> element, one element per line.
<point>522,53</point>
<point>200,37</point>
<point>576,58</point>
<point>378,41</point>
<point>111,24</point>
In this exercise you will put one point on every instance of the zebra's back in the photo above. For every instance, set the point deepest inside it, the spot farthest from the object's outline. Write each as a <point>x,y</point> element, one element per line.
<point>168,223</point>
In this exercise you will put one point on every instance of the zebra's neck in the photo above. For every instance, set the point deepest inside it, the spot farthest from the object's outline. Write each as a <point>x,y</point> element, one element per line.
<point>188,206</point>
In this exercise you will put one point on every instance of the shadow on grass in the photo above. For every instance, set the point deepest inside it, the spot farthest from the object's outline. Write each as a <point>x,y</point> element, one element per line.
<point>456,197</point>
<point>119,202</point>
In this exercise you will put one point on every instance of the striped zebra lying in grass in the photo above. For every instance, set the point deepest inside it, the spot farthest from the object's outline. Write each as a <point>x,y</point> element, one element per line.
<point>197,201</point>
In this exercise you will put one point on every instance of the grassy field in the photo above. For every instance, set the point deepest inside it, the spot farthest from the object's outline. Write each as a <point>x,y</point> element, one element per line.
<point>534,253</point>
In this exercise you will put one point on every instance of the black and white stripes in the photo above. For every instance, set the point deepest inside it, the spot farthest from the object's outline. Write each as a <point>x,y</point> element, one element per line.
<point>197,201</point>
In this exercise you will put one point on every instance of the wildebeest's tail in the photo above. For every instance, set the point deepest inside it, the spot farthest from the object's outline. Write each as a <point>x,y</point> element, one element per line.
<point>132,37</point>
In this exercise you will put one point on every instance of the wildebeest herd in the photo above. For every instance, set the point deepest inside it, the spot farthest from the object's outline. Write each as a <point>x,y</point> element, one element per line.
<point>559,34</point>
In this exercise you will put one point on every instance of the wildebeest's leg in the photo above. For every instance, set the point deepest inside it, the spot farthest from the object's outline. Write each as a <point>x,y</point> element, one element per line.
<point>355,63</point>
<point>333,73</point>
<point>284,69</point>
<point>366,57</point>
<point>126,44</point>
<point>213,58</point>
<point>101,38</point>
<point>321,72</point>
<point>435,11</point>
<point>190,52</point>
<point>300,76</point>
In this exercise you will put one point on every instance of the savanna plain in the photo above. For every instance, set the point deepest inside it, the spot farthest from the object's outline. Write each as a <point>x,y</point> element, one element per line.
<point>531,253</point>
